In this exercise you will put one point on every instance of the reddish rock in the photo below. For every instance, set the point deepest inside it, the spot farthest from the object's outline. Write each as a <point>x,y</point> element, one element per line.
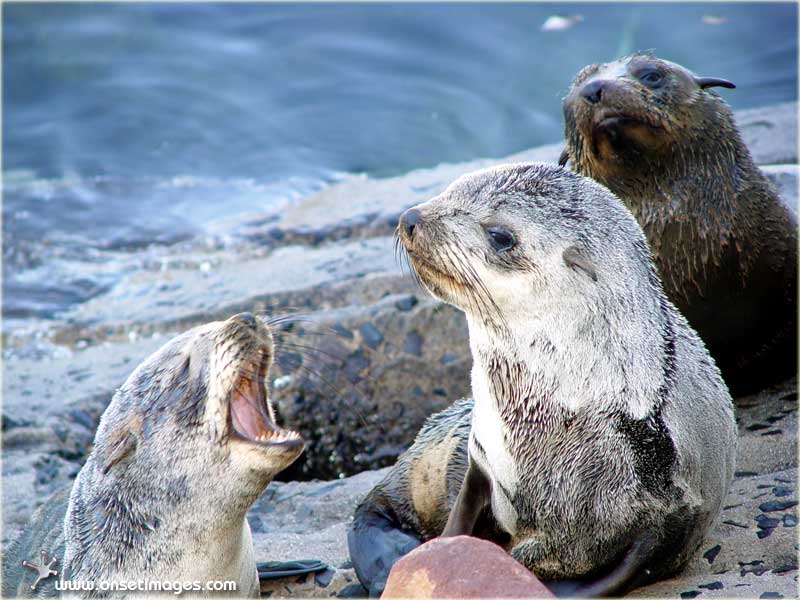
<point>461,567</point>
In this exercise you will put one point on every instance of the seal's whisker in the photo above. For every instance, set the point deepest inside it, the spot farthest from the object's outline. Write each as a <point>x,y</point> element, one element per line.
<point>282,311</point>
<point>397,256</point>
<point>484,292</point>
<point>402,258</point>
<point>316,352</point>
<point>305,333</point>
<point>467,286</point>
<point>329,388</point>
<point>289,319</point>
<point>284,325</point>
<point>412,271</point>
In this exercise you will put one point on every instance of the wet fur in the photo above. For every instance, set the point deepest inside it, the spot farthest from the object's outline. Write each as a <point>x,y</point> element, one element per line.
<point>601,421</point>
<point>724,242</point>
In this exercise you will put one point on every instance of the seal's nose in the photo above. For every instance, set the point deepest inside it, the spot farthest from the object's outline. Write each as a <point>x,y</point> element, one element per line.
<point>592,92</point>
<point>248,319</point>
<point>409,220</point>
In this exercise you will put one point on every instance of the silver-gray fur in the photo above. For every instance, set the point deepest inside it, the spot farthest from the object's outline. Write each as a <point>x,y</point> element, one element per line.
<point>599,415</point>
<point>164,493</point>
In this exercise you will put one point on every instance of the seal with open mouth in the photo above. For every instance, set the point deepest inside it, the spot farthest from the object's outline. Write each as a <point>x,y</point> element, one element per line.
<point>185,447</point>
<point>601,440</point>
<point>725,243</point>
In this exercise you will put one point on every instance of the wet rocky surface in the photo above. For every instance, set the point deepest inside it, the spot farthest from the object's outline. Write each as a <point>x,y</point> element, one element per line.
<point>752,551</point>
<point>368,356</point>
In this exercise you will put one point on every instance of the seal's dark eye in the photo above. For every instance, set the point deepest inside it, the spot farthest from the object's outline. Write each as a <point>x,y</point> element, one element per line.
<point>651,77</point>
<point>500,238</point>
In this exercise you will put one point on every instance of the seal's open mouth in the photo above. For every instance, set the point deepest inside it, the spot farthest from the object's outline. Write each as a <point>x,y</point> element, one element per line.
<point>252,417</point>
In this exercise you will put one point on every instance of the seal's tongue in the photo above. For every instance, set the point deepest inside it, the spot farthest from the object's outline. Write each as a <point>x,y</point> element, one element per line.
<point>247,419</point>
<point>251,415</point>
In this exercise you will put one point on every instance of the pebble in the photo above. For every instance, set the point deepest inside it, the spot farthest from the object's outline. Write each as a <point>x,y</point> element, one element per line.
<point>766,522</point>
<point>776,505</point>
<point>370,334</point>
<point>407,303</point>
<point>323,578</point>
<point>413,344</point>
<point>714,585</point>
<point>735,524</point>
<point>711,554</point>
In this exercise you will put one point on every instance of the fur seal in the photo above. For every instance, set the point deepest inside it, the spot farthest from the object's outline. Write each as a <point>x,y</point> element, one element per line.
<point>601,440</point>
<point>725,243</point>
<point>185,447</point>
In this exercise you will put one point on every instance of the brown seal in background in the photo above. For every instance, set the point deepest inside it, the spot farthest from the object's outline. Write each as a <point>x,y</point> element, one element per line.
<point>725,243</point>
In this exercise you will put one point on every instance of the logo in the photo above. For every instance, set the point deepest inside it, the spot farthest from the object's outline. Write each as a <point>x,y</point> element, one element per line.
<point>44,570</point>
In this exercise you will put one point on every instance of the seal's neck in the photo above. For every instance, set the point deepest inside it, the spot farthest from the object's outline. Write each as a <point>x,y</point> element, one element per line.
<point>151,524</point>
<point>569,359</point>
<point>683,182</point>
<point>686,195</point>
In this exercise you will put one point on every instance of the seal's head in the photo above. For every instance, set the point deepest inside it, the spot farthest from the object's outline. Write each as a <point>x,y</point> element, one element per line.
<point>184,449</point>
<point>198,409</point>
<point>513,244</point>
<point>637,108</point>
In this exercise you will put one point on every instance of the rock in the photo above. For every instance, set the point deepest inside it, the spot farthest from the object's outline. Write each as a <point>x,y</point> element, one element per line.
<point>775,505</point>
<point>308,519</point>
<point>461,567</point>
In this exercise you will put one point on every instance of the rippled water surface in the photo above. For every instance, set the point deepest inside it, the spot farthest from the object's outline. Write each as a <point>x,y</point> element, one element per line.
<point>131,127</point>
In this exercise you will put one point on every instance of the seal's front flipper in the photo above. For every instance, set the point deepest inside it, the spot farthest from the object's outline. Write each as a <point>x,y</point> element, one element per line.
<point>274,569</point>
<point>473,497</point>
<point>629,573</point>
<point>376,542</point>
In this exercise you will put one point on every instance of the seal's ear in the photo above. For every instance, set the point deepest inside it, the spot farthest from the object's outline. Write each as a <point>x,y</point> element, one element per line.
<point>122,442</point>
<point>707,82</point>
<point>576,258</point>
<point>562,160</point>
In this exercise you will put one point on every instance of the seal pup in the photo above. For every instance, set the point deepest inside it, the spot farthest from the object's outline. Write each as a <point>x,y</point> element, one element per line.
<point>601,440</point>
<point>185,447</point>
<point>725,243</point>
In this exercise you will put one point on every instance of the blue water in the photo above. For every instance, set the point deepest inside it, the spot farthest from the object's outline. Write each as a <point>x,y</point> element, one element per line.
<point>109,110</point>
